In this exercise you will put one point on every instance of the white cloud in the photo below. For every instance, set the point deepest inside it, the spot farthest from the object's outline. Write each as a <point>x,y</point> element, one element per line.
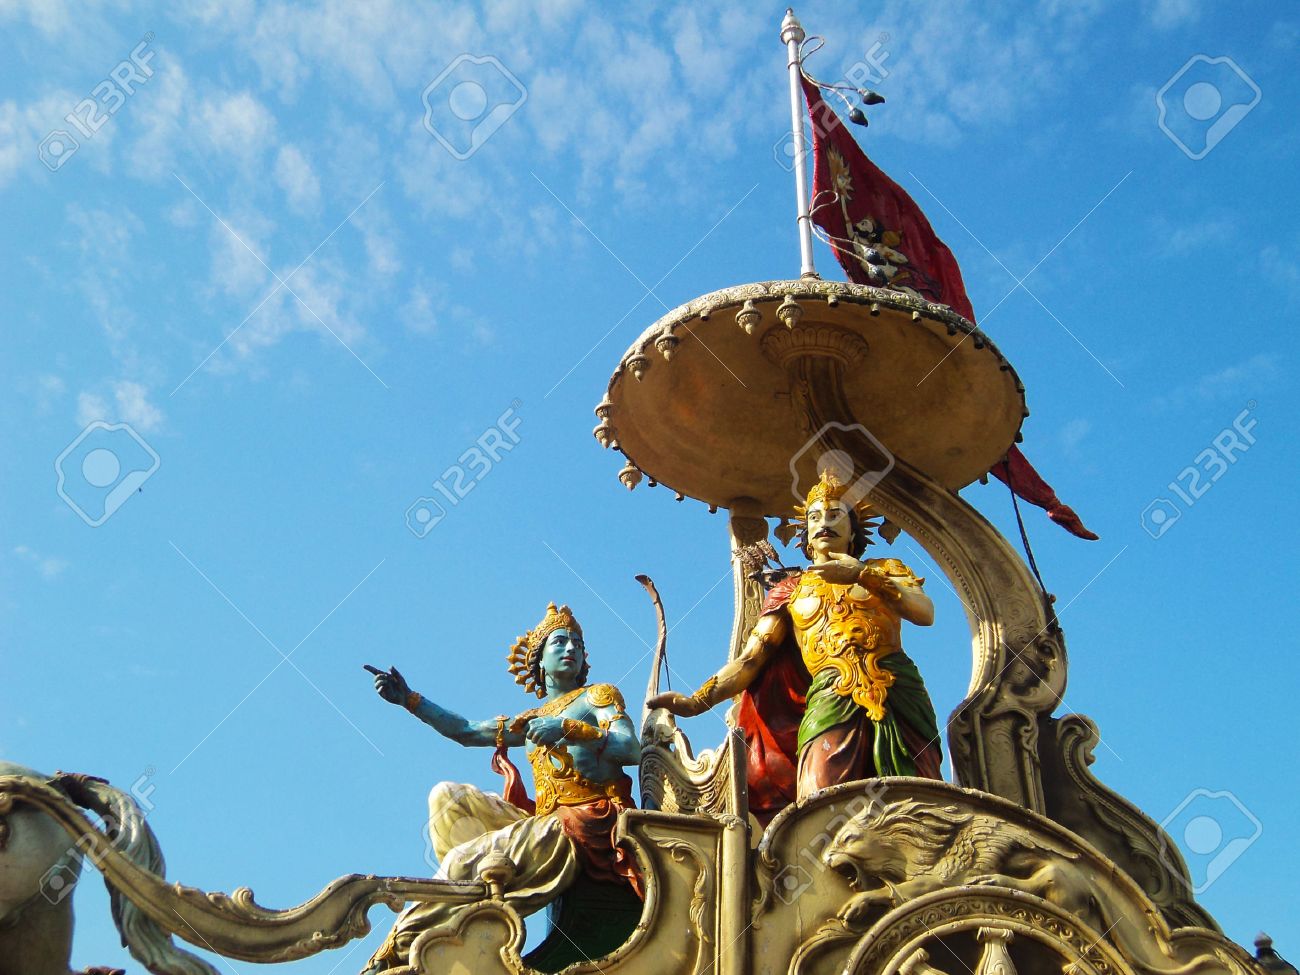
<point>1166,14</point>
<point>1073,432</point>
<point>235,124</point>
<point>319,304</point>
<point>132,404</point>
<point>633,106</point>
<point>624,109</point>
<point>45,390</point>
<point>441,187</point>
<point>49,568</point>
<point>957,68</point>
<point>1280,269</point>
<point>417,313</point>
<point>11,129</point>
<point>214,12</point>
<point>160,115</point>
<point>184,213</point>
<point>323,288</point>
<point>382,252</point>
<point>105,240</point>
<point>239,256</point>
<point>110,259</point>
<point>104,236</point>
<point>77,25</point>
<point>374,50</point>
<point>428,311</point>
<point>707,65</point>
<point>295,176</point>
<point>379,236</point>
<point>47,16</point>
<point>1208,236</point>
<point>1236,377</point>
<point>1244,379</point>
<point>266,326</point>
<point>91,407</point>
<point>1285,35</point>
<point>24,127</point>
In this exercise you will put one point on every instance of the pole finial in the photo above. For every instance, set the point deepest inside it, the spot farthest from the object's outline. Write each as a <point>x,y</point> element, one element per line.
<point>791,29</point>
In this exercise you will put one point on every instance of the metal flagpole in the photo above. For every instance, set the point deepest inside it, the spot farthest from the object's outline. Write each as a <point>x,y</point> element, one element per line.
<point>792,34</point>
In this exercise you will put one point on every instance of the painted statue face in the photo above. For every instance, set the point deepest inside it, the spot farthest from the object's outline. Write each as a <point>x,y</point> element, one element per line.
<point>830,529</point>
<point>563,656</point>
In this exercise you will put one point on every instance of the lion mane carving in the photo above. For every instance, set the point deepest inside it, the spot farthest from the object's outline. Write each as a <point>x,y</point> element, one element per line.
<point>910,848</point>
<point>894,852</point>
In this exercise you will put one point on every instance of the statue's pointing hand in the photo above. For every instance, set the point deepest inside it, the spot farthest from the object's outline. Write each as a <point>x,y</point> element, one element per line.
<point>545,731</point>
<point>839,569</point>
<point>391,685</point>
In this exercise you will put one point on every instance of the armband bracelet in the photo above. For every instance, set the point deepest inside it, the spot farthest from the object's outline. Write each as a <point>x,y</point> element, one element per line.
<point>501,730</point>
<point>580,731</point>
<point>703,695</point>
<point>879,589</point>
<point>412,701</point>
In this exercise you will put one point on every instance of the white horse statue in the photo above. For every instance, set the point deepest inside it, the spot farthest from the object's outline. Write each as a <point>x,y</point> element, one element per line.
<point>40,864</point>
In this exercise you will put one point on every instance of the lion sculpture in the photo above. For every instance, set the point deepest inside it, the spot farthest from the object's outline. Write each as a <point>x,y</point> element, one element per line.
<point>894,852</point>
<point>911,848</point>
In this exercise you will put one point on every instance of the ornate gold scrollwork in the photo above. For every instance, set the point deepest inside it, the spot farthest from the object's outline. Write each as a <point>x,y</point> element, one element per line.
<point>235,925</point>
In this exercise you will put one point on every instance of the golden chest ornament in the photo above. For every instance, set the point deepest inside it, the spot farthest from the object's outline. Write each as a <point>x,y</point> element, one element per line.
<point>849,633</point>
<point>555,781</point>
<point>558,783</point>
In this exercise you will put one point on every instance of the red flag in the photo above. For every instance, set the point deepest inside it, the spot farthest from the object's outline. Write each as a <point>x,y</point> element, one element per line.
<point>881,238</point>
<point>1018,474</point>
<point>878,233</point>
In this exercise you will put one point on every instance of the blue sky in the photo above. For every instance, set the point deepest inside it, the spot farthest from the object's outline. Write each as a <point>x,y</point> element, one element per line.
<point>426,296</point>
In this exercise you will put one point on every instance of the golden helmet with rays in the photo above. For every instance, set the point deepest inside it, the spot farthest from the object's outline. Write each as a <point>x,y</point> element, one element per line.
<point>830,487</point>
<point>523,655</point>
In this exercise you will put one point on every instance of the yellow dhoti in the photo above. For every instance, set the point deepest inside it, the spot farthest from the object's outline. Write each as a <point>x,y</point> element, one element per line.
<point>466,825</point>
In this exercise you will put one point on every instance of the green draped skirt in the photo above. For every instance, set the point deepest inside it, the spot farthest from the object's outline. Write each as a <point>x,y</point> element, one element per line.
<point>907,702</point>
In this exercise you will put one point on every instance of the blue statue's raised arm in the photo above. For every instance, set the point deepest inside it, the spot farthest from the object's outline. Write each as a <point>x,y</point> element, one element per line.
<point>392,687</point>
<point>462,730</point>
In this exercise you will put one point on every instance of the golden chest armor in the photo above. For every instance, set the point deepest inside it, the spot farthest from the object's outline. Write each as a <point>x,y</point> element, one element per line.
<point>558,783</point>
<point>848,630</point>
<point>555,780</point>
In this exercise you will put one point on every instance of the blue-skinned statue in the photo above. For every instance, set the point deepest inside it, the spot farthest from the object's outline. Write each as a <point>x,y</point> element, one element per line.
<point>579,740</point>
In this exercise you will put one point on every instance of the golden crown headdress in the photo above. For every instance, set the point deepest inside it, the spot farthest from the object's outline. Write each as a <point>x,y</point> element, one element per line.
<point>830,487</point>
<point>523,654</point>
